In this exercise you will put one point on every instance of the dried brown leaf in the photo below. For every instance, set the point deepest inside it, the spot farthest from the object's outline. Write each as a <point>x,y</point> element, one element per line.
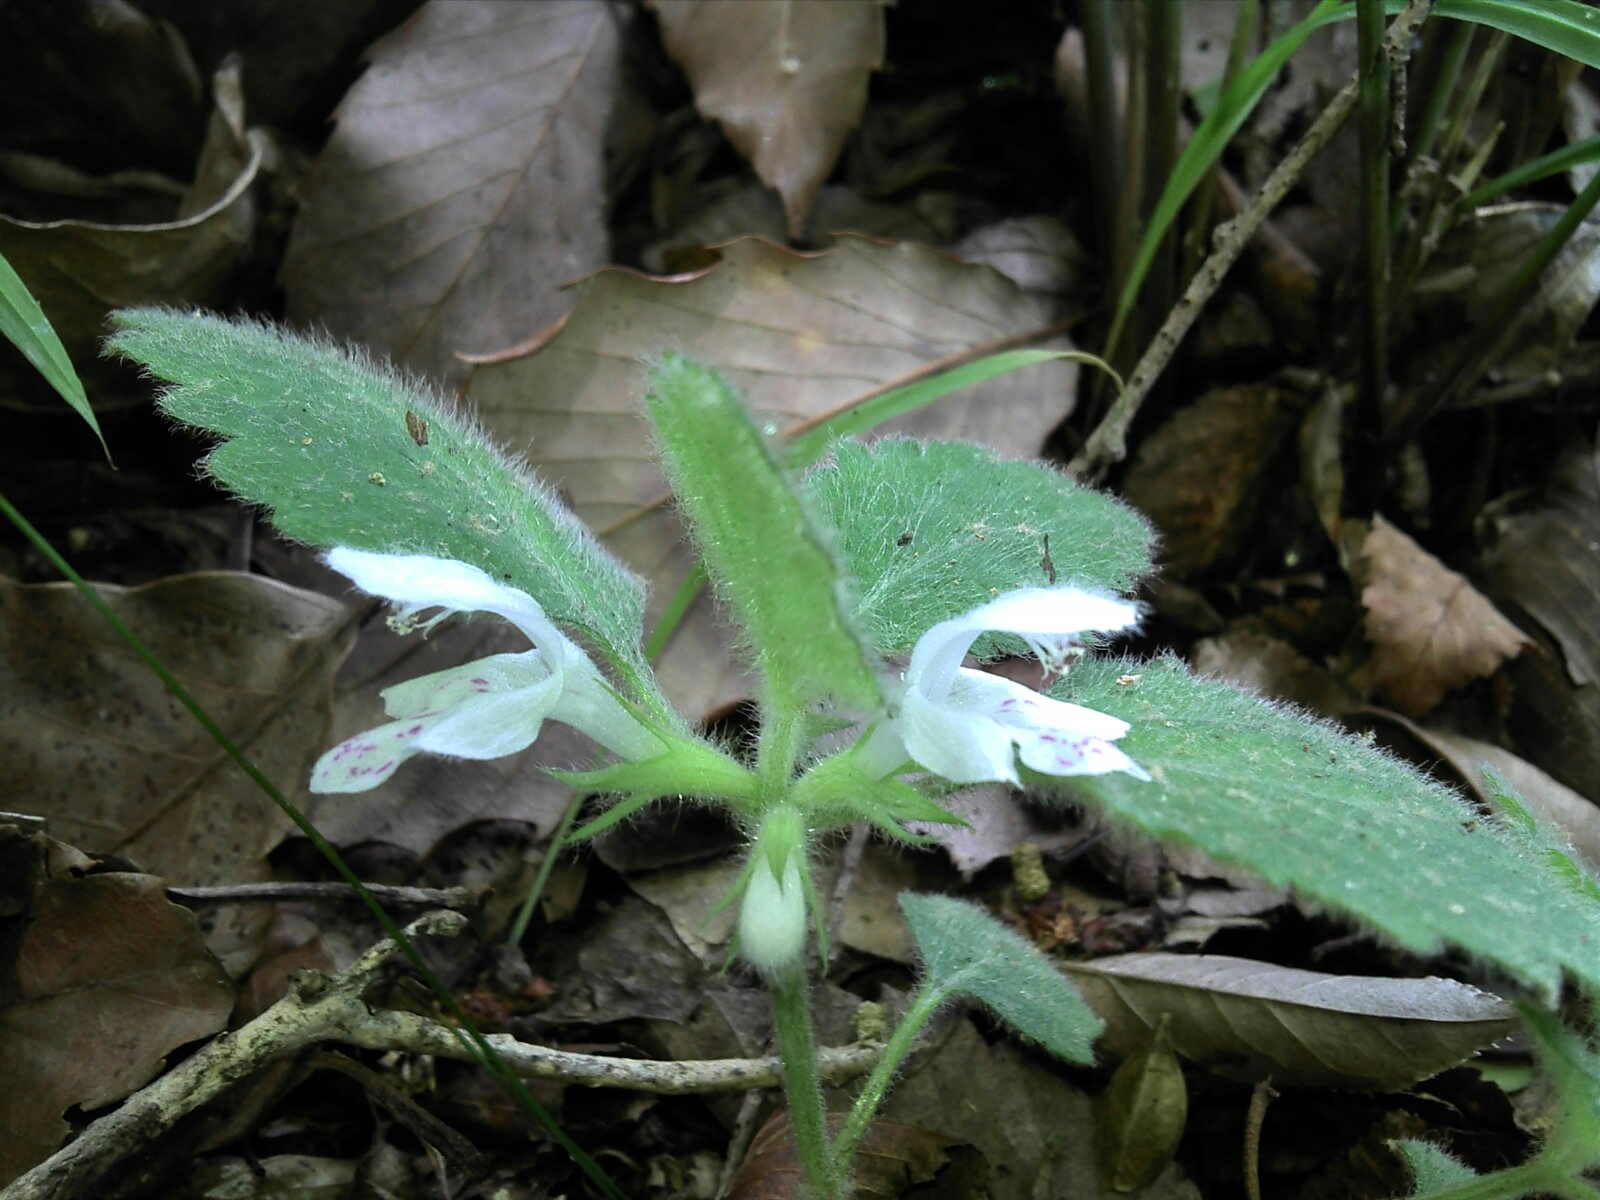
<point>1272,666</point>
<point>104,978</point>
<point>96,743</point>
<point>1575,816</point>
<point>80,270</point>
<point>1547,561</point>
<point>1430,629</point>
<point>1202,475</point>
<point>1251,1020</point>
<point>799,335</point>
<point>890,1158</point>
<point>463,184</point>
<point>786,79</point>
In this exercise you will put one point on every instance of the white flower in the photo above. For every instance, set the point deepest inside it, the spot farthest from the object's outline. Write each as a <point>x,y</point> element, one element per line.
<point>484,709</point>
<point>971,727</point>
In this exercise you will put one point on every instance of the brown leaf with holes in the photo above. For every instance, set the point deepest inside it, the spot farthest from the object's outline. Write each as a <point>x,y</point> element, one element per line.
<point>101,977</point>
<point>787,81</point>
<point>1430,629</point>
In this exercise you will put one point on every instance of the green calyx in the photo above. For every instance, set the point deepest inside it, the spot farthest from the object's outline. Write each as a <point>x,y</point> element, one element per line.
<point>687,768</point>
<point>837,792</point>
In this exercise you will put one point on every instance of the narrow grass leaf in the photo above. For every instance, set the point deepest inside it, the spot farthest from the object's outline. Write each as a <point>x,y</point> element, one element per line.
<point>25,326</point>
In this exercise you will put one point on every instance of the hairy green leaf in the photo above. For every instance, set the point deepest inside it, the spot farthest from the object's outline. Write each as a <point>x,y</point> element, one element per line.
<point>967,952</point>
<point>1346,825</point>
<point>344,451</point>
<point>928,531</point>
<point>766,557</point>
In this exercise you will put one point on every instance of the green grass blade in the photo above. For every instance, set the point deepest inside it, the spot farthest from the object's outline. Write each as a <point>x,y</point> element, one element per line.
<point>24,324</point>
<point>1565,26</point>
<point>1546,165</point>
<point>806,447</point>
<point>1205,147</point>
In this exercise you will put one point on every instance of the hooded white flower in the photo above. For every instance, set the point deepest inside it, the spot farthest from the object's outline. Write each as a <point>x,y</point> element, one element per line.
<point>971,727</point>
<point>484,709</point>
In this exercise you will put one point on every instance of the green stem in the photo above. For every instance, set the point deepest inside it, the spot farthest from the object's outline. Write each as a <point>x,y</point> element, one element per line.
<point>553,851</point>
<point>1375,145</point>
<point>782,728</point>
<point>791,1018</point>
<point>465,1031</point>
<point>877,1085</point>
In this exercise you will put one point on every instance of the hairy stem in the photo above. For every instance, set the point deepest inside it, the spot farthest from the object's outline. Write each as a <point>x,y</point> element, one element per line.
<point>791,1018</point>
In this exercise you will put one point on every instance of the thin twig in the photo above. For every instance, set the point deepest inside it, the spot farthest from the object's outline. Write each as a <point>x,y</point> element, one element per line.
<point>1255,1116</point>
<point>330,1008</point>
<point>456,898</point>
<point>1108,444</point>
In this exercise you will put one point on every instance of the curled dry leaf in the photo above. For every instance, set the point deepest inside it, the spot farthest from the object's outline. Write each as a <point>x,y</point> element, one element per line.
<point>80,270</point>
<point>786,81</point>
<point>464,182</point>
<point>103,978</point>
<point>799,335</point>
<point>1201,476</point>
<point>95,742</point>
<point>1250,1020</point>
<point>1547,565</point>
<point>1430,629</point>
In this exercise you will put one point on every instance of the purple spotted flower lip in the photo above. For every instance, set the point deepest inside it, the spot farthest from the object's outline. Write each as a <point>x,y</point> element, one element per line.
<point>484,709</point>
<point>972,727</point>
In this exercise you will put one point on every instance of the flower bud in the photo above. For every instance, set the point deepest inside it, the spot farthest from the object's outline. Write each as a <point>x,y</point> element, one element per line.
<point>772,915</point>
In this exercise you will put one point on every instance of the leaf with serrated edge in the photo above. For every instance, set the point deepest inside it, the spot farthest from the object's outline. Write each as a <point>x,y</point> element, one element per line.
<point>319,436</point>
<point>930,530</point>
<point>1254,1020</point>
<point>967,952</point>
<point>1302,804</point>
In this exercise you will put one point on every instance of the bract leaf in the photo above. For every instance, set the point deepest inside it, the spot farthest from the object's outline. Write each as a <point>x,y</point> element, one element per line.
<point>967,952</point>
<point>321,437</point>
<point>766,557</point>
<point>1432,1167</point>
<point>1305,805</point>
<point>930,530</point>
